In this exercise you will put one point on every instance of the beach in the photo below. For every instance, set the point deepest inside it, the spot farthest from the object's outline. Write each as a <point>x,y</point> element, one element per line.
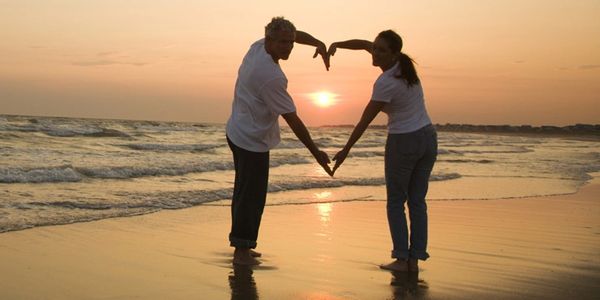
<point>527,248</point>
<point>125,209</point>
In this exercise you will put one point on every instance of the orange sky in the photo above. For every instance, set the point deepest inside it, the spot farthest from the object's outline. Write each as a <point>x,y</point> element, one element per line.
<point>481,62</point>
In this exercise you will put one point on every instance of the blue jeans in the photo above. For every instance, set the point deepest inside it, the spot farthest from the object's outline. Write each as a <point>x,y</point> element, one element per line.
<point>409,159</point>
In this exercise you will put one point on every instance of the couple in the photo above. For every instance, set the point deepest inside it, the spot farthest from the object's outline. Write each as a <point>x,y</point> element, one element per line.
<point>252,130</point>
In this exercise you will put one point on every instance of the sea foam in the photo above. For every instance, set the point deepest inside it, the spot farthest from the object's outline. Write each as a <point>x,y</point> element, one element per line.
<point>68,173</point>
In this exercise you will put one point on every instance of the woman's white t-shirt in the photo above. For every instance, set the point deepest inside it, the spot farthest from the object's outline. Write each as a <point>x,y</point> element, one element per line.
<point>260,97</point>
<point>405,106</point>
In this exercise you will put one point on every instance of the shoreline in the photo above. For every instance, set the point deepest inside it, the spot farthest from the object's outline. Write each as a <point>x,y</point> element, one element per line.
<point>379,198</point>
<point>536,247</point>
<point>446,186</point>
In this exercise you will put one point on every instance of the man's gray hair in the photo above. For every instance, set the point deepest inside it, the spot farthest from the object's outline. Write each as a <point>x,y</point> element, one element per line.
<point>278,24</point>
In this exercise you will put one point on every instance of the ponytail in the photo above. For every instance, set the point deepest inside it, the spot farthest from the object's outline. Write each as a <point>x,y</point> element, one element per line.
<point>406,70</point>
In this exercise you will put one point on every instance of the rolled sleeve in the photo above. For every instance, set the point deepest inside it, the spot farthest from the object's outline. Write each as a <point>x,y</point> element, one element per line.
<point>278,100</point>
<point>383,91</point>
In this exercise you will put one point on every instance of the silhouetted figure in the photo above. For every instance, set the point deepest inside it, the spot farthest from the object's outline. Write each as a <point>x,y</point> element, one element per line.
<point>260,97</point>
<point>410,149</point>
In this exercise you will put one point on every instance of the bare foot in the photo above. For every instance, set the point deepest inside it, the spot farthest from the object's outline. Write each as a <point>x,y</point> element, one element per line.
<point>413,265</point>
<point>399,265</point>
<point>255,253</point>
<point>242,256</point>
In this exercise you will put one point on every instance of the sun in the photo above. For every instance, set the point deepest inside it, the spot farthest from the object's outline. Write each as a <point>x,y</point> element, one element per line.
<point>323,99</point>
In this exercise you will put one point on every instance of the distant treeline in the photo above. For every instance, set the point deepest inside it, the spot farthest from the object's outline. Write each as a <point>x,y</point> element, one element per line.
<point>578,129</point>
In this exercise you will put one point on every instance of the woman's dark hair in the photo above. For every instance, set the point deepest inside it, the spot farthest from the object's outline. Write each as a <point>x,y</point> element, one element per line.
<point>406,69</point>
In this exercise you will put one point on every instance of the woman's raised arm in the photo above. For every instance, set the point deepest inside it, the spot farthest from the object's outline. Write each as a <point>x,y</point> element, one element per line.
<point>352,45</point>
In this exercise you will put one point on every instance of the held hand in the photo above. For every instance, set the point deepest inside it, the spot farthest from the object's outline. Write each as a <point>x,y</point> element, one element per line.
<point>332,49</point>
<point>322,50</point>
<point>323,160</point>
<point>339,159</point>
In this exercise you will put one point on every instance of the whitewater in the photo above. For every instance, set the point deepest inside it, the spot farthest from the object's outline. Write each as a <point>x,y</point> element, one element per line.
<point>65,170</point>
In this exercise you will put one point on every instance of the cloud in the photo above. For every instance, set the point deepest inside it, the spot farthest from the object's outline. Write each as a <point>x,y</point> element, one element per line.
<point>519,61</point>
<point>106,62</point>
<point>589,67</point>
<point>106,58</point>
<point>107,53</point>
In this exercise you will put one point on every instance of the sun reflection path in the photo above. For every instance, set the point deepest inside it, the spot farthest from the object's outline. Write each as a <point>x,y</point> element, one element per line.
<point>323,195</point>
<point>324,209</point>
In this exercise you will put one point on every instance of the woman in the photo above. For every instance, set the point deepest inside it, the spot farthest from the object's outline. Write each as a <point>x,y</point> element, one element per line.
<point>411,146</point>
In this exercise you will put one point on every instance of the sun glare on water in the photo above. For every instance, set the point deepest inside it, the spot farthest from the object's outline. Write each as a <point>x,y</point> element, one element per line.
<point>323,99</point>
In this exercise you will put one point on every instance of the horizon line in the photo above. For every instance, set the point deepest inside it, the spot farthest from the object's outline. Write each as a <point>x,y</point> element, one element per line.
<point>325,125</point>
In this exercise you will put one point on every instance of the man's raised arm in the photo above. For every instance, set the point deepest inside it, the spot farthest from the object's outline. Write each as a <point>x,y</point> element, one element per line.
<point>307,39</point>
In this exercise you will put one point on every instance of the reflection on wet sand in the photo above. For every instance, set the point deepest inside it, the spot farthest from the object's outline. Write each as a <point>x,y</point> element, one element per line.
<point>242,284</point>
<point>324,210</point>
<point>406,285</point>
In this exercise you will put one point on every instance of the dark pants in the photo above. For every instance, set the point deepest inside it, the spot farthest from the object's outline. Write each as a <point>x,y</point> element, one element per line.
<point>249,195</point>
<point>409,159</point>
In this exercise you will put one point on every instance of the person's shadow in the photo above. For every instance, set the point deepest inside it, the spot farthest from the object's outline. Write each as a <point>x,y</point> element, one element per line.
<point>406,285</point>
<point>242,284</point>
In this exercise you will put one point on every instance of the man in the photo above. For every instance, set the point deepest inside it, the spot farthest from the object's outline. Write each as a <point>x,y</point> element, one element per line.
<point>252,130</point>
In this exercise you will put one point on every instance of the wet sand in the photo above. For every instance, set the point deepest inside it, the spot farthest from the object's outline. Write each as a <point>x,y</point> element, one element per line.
<point>530,248</point>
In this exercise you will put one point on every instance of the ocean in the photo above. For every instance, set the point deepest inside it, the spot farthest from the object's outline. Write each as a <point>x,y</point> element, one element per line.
<point>66,170</point>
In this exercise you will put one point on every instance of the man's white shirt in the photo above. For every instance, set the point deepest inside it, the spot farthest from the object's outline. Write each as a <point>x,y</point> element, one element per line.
<point>260,98</point>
